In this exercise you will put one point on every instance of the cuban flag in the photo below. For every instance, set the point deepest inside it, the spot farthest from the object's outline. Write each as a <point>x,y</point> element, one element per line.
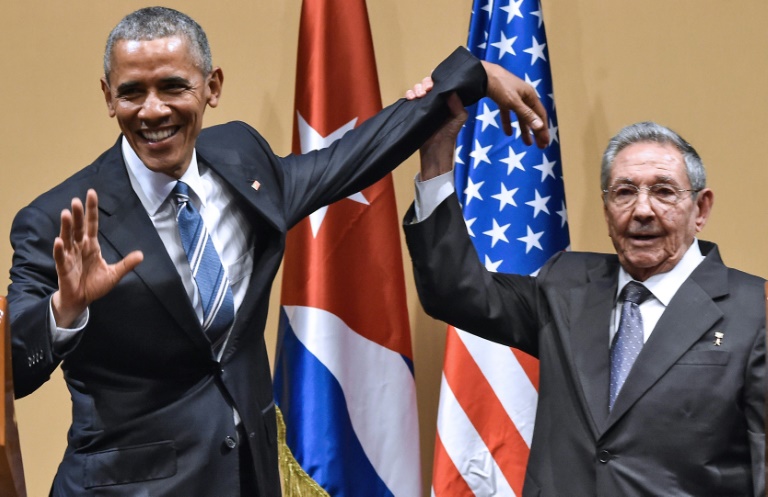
<point>514,208</point>
<point>344,368</point>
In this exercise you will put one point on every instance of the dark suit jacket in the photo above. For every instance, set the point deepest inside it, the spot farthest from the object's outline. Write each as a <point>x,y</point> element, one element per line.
<point>152,409</point>
<point>689,419</point>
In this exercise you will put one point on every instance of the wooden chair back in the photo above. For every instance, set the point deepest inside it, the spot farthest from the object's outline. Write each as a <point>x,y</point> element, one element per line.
<point>11,468</point>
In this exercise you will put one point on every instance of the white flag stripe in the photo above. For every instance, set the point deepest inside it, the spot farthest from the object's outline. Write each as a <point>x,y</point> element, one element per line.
<point>357,363</point>
<point>508,379</point>
<point>467,450</point>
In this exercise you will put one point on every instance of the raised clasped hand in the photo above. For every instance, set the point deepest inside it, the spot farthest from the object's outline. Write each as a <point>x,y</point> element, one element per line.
<point>511,94</point>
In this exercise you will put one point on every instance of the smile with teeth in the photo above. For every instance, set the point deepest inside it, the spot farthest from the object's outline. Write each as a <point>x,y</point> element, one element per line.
<point>158,135</point>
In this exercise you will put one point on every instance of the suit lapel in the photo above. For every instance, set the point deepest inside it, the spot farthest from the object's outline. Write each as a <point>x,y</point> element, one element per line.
<point>591,307</point>
<point>125,225</point>
<point>268,224</point>
<point>690,314</point>
<point>256,188</point>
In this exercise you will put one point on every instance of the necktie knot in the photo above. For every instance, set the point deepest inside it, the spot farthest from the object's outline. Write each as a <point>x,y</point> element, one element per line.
<point>635,293</point>
<point>181,193</point>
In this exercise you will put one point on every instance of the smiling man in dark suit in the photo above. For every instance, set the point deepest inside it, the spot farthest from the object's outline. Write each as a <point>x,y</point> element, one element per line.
<point>167,368</point>
<point>662,394</point>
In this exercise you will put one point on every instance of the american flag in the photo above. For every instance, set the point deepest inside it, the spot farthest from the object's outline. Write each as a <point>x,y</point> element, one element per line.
<point>514,208</point>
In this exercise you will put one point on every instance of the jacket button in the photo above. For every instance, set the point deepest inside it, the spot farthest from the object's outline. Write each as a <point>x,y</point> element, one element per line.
<point>604,456</point>
<point>230,442</point>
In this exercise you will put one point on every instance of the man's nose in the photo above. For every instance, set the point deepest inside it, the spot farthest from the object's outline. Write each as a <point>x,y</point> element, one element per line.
<point>643,204</point>
<point>154,107</point>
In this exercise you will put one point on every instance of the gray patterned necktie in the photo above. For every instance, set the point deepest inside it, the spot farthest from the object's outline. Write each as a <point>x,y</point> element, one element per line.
<point>628,340</point>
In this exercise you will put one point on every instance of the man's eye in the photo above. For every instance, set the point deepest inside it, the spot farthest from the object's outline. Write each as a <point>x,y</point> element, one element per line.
<point>664,192</point>
<point>175,88</point>
<point>624,191</point>
<point>129,93</point>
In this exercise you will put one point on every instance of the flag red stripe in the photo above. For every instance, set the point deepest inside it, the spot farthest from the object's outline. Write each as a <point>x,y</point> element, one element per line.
<point>530,365</point>
<point>479,401</point>
<point>446,479</point>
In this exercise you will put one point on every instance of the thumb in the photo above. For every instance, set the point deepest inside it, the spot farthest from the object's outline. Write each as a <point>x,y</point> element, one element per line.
<point>128,264</point>
<point>458,111</point>
<point>531,115</point>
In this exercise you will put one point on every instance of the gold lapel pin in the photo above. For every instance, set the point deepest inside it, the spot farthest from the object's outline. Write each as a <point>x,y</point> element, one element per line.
<point>719,338</point>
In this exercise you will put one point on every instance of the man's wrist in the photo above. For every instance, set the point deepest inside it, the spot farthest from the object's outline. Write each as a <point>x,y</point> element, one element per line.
<point>65,316</point>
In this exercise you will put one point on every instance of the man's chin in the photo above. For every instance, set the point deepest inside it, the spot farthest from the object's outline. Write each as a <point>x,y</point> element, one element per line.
<point>641,257</point>
<point>170,168</point>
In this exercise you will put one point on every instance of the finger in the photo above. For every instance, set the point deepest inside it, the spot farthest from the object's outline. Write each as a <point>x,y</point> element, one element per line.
<point>416,92</point>
<point>77,220</point>
<point>525,132</point>
<point>506,124</point>
<point>542,137</point>
<point>58,254</point>
<point>92,214</point>
<point>536,119</point>
<point>65,231</point>
<point>542,133</point>
<point>457,108</point>
<point>128,264</point>
<point>427,84</point>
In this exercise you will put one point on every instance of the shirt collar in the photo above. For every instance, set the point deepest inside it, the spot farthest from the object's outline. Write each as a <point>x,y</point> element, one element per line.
<point>152,187</point>
<point>663,286</point>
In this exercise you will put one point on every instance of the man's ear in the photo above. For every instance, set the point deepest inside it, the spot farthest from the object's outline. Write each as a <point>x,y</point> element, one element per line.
<point>704,202</point>
<point>108,96</point>
<point>214,83</point>
<point>605,213</point>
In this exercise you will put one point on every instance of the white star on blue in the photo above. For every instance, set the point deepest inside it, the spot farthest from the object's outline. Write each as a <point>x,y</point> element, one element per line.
<point>518,236</point>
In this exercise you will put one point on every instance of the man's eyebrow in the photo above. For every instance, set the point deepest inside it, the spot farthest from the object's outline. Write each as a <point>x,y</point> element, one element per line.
<point>132,85</point>
<point>665,179</point>
<point>176,80</point>
<point>127,86</point>
<point>623,180</point>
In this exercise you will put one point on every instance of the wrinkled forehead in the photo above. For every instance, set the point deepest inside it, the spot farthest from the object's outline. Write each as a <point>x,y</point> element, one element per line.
<point>166,45</point>
<point>137,59</point>
<point>649,163</point>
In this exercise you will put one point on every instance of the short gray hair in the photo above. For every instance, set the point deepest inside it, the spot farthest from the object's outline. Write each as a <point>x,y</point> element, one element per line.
<point>646,132</point>
<point>151,23</point>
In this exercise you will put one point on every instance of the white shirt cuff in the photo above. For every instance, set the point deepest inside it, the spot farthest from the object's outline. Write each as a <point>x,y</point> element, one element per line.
<point>60,337</point>
<point>430,193</point>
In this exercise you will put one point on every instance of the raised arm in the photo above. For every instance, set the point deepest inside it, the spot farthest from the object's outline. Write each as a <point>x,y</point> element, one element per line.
<point>437,152</point>
<point>511,94</point>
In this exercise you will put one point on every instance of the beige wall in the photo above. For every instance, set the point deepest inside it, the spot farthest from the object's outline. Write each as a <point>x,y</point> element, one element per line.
<point>698,66</point>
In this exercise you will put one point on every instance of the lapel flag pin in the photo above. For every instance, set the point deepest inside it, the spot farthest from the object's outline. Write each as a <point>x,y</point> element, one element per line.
<point>256,185</point>
<point>719,338</point>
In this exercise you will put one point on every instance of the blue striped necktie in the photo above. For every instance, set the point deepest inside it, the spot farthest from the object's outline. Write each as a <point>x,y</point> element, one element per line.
<point>207,269</point>
<point>628,340</point>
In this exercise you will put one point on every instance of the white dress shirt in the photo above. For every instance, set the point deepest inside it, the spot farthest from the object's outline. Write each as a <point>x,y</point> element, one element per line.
<point>663,286</point>
<point>230,232</point>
